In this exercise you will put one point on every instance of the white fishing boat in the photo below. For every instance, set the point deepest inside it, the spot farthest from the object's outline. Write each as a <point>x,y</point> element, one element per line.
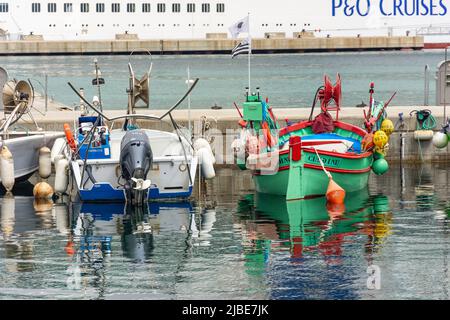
<point>129,164</point>
<point>20,145</point>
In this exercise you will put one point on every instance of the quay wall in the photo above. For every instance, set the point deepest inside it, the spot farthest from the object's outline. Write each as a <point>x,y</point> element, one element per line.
<point>225,128</point>
<point>209,46</point>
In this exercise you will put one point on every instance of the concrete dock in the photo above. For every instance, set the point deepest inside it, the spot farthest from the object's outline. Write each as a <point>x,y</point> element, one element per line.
<point>209,46</point>
<point>225,127</point>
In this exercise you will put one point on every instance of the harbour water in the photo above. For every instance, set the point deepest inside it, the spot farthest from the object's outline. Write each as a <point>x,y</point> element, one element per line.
<point>229,243</point>
<point>289,80</point>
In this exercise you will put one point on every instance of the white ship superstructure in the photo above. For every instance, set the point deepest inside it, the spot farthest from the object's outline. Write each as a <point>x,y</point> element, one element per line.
<point>195,19</point>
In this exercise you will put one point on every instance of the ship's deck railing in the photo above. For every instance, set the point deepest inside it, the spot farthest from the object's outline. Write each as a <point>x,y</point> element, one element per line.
<point>433,31</point>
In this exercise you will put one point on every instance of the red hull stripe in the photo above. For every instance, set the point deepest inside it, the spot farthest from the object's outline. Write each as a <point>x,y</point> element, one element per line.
<point>320,142</point>
<point>312,166</point>
<point>441,45</point>
<point>334,154</point>
<point>341,125</point>
<point>317,167</point>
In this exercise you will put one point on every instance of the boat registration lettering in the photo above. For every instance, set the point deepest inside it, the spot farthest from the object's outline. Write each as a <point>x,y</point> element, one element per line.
<point>330,162</point>
<point>284,161</point>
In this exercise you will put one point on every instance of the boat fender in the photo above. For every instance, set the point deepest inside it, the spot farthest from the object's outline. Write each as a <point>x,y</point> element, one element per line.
<point>61,177</point>
<point>423,135</point>
<point>367,142</point>
<point>43,205</point>
<point>42,190</point>
<point>380,166</point>
<point>208,218</point>
<point>8,212</point>
<point>253,145</point>
<point>58,147</point>
<point>203,143</point>
<point>238,148</point>
<point>440,140</point>
<point>45,163</point>
<point>69,137</point>
<point>387,126</point>
<point>7,169</point>
<point>380,139</point>
<point>335,210</point>
<point>206,162</point>
<point>60,212</point>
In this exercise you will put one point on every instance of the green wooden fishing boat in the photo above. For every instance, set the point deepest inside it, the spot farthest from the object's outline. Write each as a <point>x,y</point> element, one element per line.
<point>293,160</point>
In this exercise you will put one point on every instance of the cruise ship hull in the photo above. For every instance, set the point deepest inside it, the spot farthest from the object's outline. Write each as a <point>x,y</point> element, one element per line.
<point>335,18</point>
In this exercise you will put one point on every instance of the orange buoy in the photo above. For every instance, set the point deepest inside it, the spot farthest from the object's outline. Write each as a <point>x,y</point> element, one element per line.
<point>335,210</point>
<point>69,136</point>
<point>335,193</point>
<point>367,142</point>
<point>69,248</point>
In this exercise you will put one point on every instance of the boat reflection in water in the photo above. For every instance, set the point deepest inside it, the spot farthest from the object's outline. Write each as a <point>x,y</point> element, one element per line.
<point>102,233</point>
<point>309,229</point>
<point>94,225</point>
<point>22,220</point>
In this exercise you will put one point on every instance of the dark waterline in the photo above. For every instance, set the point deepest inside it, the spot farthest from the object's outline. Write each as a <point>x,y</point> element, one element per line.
<point>229,243</point>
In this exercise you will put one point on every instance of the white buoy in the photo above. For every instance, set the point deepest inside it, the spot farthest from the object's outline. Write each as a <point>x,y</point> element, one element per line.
<point>207,164</point>
<point>8,214</point>
<point>208,218</point>
<point>61,215</point>
<point>45,163</point>
<point>238,147</point>
<point>42,190</point>
<point>440,140</point>
<point>58,148</point>
<point>61,177</point>
<point>423,135</point>
<point>7,168</point>
<point>202,143</point>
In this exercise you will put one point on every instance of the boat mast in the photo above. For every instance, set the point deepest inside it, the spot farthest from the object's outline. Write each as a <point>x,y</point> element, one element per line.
<point>249,53</point>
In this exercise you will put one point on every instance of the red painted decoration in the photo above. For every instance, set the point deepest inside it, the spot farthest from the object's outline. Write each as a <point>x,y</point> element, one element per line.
<point>295,143</point>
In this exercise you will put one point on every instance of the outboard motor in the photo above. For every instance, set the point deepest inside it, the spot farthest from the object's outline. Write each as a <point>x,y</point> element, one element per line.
<point>136,159</point>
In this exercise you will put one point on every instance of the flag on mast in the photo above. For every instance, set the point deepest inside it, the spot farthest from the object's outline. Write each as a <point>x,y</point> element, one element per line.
<point>239,27</point>
<point>243,47</point>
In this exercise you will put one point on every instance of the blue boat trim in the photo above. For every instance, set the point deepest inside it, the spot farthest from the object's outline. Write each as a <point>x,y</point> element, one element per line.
<point>106,211</point>
<point>105,192</point>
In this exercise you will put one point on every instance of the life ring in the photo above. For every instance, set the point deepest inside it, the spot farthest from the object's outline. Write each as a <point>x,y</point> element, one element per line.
<point>69,137</point>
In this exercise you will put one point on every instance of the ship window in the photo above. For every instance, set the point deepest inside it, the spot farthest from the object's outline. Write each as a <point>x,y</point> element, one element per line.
<point>205,7</point>
<point>131,7</point>
<point>84,7</point>
<point>176,7</point>
<point>191,7</point>
<point>100,7</point>
<point>68,7</point>
<point>220,7</point>
<point>4,7</point>
<point>115,7</point>
<point>51,7</point>
<point>146,7</point>
<point>35,7</point>
<point>161,7</point>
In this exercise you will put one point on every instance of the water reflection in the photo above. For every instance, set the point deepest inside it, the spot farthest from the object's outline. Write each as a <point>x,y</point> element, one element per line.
<point>227,246</point>
<point>23,217</point>
<point>94,227</point>
<point>308,230</point>
<point>304,225</point>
